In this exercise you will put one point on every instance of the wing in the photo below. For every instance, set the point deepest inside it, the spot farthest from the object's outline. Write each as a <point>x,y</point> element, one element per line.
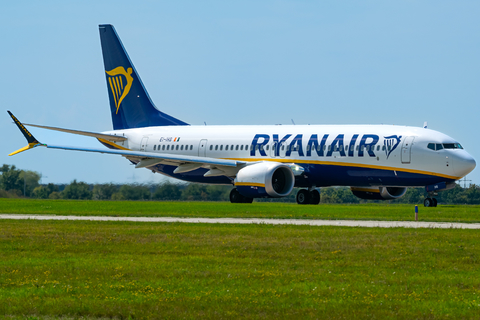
<point>142,159</point>
<point>110,137</point>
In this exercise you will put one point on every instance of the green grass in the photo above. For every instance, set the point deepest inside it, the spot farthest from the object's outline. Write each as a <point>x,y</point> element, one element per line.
<point>168,271</point>
<point>384,211</point>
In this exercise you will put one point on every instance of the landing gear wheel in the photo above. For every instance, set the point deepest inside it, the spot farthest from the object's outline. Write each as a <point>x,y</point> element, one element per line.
<point>303,196</point>
<point>247,200</point>
<point>314,197</point>
<point>434,202</point>
<point>236,197</point>
<point>428,202</point>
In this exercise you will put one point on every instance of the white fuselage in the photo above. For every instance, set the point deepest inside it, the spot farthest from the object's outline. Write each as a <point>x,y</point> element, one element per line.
<point>383,154</point>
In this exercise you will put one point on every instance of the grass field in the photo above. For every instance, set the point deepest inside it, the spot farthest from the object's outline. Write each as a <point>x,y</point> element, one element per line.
<point>86,269</point>
<point>255,210</point>
<point>169,271</point>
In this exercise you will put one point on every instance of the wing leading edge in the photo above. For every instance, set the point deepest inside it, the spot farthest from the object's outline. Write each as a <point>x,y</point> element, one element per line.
<point>143,159</point>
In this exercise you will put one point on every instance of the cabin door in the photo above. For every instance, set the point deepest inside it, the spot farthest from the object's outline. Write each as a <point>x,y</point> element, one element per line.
<point>143,144</point>
<point>407,149</point>
<point>202,148</point>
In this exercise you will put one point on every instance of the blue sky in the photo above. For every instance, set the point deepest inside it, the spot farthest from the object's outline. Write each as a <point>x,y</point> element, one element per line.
<point>243,62</point>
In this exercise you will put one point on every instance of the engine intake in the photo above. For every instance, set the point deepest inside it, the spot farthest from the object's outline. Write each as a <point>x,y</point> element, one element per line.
<point>379,193</point>
<point>265,179</point>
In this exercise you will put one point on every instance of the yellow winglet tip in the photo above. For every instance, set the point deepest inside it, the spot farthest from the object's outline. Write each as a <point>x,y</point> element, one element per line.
<point>29,146</point>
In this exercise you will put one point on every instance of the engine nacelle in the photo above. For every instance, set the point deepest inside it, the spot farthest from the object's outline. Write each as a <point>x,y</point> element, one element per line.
<point>379,193</point>
<point>265,179</point>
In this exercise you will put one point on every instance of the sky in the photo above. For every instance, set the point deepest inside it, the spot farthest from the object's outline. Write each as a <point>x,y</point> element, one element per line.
<point>236,63</point>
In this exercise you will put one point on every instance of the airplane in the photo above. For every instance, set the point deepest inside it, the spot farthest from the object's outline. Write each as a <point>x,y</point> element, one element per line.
<point>378,162</point>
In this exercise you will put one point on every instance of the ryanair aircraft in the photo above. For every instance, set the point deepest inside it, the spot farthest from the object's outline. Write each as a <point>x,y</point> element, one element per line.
<point>377,162</point>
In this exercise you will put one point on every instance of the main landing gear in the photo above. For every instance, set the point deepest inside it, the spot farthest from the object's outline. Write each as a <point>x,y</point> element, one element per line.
<point>236,197</point>
<point>430,202</point>
<point>305,196</point>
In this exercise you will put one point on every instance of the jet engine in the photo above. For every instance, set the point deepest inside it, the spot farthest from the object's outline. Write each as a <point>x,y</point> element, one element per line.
<point>379,193</point>
<point>265,179</point>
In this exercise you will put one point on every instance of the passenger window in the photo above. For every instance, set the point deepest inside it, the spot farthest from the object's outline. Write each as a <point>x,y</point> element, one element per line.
<point>357,148</point>
<point>163,147</point>
<point>318,148</point>
<point>226,147</point>
<point>383,148</point>
<point>154,147</point>
<point>431,146</point>
<point>191,147</point>
<point>221,147</point>
<point>181,147</point>
<point>330,148</point>
<point>241,147</point>
<point>231,147</point>
<point>283,148</point>
<point>236,148</point>
<point>211,147</point>
<point>266,148</point>
<point>378,148</point>
<point>308,147</point>
<point>176,147</point>
<point>324,147</point>
<point>216,147</point>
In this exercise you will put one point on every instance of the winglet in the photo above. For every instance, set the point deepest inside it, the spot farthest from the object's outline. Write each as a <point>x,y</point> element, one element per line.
<point>32,142</point>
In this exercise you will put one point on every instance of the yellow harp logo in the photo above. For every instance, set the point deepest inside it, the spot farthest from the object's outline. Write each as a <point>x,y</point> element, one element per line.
<point>116,79</point>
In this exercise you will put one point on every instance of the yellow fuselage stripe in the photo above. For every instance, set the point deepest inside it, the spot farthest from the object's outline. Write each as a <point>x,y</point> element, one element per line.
<point>250,184</point>
<point>345,164</point>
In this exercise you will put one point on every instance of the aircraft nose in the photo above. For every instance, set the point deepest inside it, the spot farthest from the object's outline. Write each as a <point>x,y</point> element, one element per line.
<point>464,164</point>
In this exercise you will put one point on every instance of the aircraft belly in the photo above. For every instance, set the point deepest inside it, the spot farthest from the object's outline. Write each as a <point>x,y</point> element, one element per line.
<point>323,176</point>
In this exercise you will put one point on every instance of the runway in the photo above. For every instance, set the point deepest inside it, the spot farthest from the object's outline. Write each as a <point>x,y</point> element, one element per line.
<point>337,223</point>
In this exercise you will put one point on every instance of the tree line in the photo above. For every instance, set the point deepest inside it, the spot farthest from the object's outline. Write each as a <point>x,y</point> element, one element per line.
<point>15,183</point>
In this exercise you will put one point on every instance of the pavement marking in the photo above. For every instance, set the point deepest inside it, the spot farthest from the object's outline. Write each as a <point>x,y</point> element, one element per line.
<point>341,223</point>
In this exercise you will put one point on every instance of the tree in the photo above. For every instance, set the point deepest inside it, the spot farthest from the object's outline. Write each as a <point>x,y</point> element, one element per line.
<point>167,191</point>
<point>104,191</point>
<point>135,192</point>
<point>30,180</point>
<point>77,190</point>
<point>10,178</point>
<point>195,192</point>
<point>41,192</point>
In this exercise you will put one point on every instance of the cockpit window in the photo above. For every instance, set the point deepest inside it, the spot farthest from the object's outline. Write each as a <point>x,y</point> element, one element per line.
<point>452,146</point>
<point>440,146</point>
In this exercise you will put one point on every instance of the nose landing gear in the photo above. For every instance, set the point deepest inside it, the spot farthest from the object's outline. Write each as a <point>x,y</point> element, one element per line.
<point>430,201</point>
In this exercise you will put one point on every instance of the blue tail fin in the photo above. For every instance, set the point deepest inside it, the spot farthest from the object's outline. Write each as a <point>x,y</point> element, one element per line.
<point>130,103</point>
